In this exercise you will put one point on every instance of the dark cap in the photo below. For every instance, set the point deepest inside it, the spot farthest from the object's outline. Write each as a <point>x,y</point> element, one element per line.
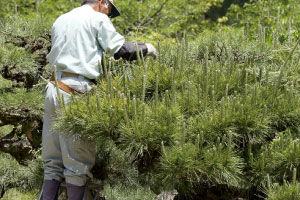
<point>114,10</point>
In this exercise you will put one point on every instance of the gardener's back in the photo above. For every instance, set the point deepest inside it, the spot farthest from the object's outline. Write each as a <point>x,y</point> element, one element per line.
<point>78,39</point>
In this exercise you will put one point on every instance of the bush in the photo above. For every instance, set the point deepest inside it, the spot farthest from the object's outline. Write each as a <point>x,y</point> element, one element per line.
<point>217,115</point>
<point>287,191</point>
<point>23,177</point>
<point>198,117</point>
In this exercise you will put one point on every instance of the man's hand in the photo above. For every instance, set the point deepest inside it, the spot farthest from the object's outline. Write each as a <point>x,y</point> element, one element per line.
<point>151,50</point>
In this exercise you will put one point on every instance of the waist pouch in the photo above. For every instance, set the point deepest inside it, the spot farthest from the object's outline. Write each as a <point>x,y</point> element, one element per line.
<point>65,87</point>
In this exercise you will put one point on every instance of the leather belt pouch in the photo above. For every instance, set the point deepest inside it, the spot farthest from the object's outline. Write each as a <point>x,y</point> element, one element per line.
<point>65,87</point>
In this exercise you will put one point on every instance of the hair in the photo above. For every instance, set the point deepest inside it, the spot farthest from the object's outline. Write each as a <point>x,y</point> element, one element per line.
<point>89,2</point>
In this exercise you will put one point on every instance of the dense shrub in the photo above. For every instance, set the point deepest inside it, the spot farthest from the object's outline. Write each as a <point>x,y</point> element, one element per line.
<point>216,115</point>
<point>211,122</point>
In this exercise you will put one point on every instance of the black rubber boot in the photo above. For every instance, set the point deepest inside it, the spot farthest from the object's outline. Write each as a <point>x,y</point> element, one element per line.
<point>50,190</point>
<point>75,192</point>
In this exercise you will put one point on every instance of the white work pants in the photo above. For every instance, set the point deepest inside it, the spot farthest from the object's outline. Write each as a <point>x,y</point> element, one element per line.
<point>64,155</point>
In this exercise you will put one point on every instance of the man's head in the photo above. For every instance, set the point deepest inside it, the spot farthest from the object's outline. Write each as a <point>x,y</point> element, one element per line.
<point>104,6</point>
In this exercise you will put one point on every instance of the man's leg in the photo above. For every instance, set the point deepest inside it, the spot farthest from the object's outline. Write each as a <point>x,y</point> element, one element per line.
<point>79,158</point>
<point>51,151</point>
<point>50,189</point>
<point>78,154</point>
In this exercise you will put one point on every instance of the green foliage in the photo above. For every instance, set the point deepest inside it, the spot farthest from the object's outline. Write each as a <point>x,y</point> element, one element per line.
<point>278,159</point>
<point>120,192</point>
<point>15,175</point>
<point>274,21</point>
<point>115,166</point>
<point>202,115</point>
<point>15,194</point>
<point>50,9</point>
<point>287,191</point>
<point>13,55</point>
<point>188,165</point>
<point>4,83</point>
<point>218,113</point>
<point>170,17</point>
<point>33,98</point>
<point>23,48</point>
<point>6,129</point>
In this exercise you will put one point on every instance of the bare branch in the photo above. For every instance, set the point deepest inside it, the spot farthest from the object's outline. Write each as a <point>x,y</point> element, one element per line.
<point>149,19</point>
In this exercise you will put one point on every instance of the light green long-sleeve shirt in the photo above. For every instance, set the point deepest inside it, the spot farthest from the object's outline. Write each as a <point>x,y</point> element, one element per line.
<point>79,38</point>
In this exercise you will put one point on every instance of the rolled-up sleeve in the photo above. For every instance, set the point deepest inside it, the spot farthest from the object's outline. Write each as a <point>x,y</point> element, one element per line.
<point>109,39</point>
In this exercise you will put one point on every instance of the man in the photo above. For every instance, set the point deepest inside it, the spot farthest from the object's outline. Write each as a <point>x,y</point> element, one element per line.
<point>79,38</point>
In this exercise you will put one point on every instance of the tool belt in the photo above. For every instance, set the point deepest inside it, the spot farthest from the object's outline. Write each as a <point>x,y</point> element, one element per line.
<point>64,86</point>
